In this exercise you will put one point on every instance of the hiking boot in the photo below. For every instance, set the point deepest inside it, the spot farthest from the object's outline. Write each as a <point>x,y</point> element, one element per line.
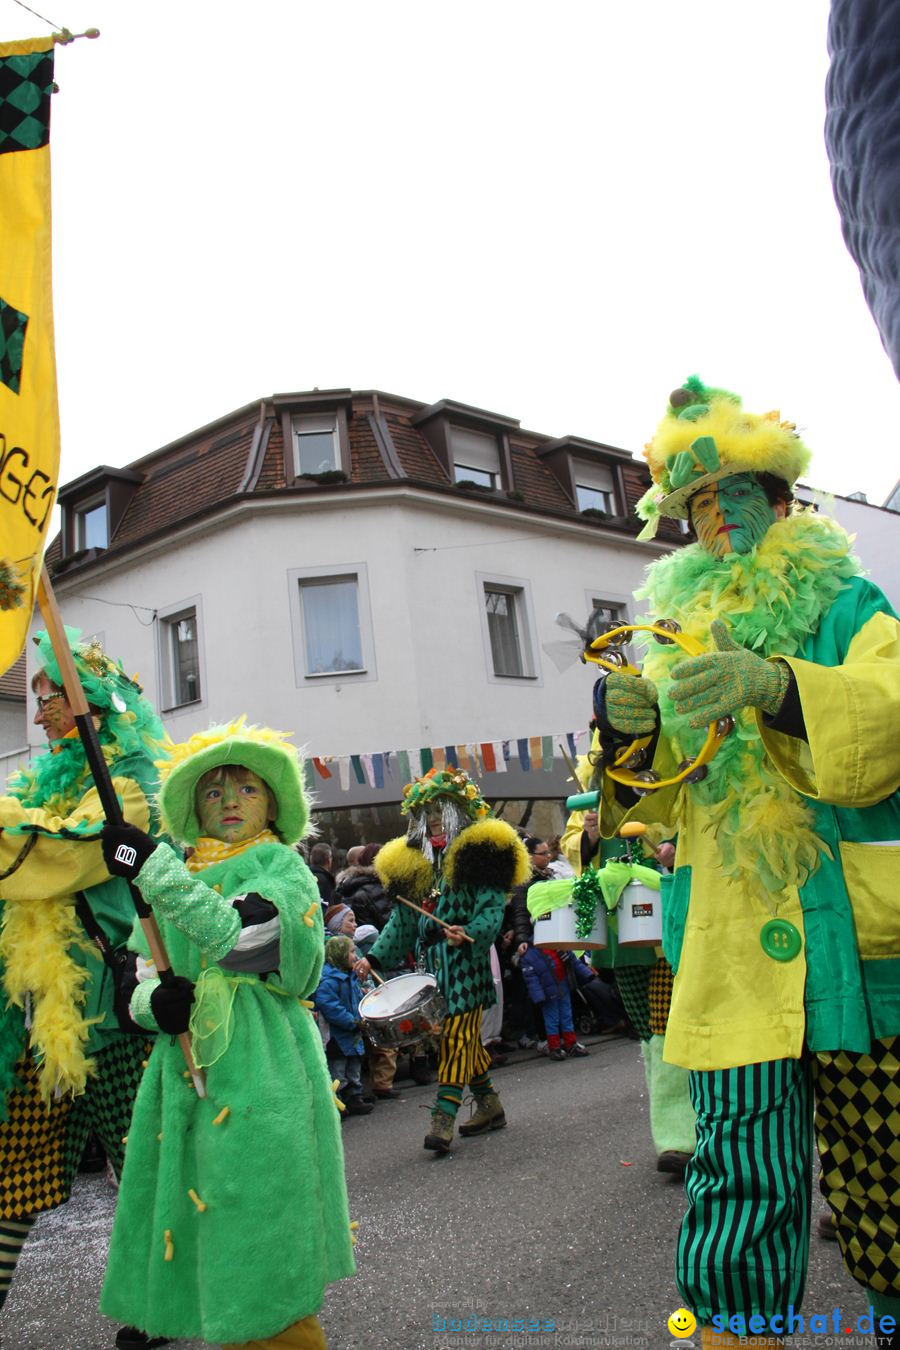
<point>440,1136</point>
<point>488,1115</point>
<point>357,1106</point>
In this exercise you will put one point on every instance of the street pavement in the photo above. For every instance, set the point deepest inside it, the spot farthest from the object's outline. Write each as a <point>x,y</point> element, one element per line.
<point>559,1218</point>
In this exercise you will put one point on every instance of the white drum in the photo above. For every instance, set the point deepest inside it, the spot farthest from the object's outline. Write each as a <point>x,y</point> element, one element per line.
<point>639,913</point>
<point>403,1011</point>
<point>557,929</point>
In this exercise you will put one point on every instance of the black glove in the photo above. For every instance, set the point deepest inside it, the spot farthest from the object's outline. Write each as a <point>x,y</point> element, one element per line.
<point>125,849</point>
<point>171,1005</point>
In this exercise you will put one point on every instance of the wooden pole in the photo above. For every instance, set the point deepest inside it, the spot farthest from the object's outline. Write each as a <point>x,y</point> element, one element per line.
<point>420,910</point>
<point>106,792</point>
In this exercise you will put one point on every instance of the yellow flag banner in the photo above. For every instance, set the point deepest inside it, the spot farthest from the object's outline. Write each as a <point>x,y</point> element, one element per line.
<point>29,417</point>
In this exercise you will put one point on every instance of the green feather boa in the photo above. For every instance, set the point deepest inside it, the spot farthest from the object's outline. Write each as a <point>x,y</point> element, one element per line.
<point>772,598</point>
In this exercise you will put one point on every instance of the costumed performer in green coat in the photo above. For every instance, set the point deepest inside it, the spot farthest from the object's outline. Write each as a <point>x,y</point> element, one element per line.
<point>644,980</point>
<point>781,918</point>
<point>461,865</point>
<point>232,1216</point>
<point>67,1064</point>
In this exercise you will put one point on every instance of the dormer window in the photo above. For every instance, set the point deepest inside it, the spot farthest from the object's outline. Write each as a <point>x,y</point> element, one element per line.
<point>594,487</point>
<point>476,457</point>
<point>316,443</point>
<point>92,525</point>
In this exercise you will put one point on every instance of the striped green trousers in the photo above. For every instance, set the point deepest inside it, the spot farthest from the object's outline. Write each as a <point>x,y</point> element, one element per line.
<point>744,1241</point>
<point>745,1238</point>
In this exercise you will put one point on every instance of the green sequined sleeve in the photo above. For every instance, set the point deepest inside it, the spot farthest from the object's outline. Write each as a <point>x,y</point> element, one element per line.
<point>193,907</point>
<point>139,1006</point>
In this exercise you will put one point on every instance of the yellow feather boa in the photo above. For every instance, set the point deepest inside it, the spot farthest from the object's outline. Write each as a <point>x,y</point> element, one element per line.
<point>34,946</point>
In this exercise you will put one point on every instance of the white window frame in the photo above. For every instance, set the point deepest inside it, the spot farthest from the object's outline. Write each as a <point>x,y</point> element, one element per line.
<point>333,572</point>
<point>595,478</point>
<point>475,453</point>
<point>82,510</point>
<point>315,424</point>
<point>166,619</point>
<point>520,588</point>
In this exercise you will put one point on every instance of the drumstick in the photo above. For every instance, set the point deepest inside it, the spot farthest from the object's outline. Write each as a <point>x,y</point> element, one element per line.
<point>443,922</point>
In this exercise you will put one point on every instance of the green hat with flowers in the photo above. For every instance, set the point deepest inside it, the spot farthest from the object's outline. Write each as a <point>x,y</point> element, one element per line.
<point>452,783</point>
<point>705,436</point>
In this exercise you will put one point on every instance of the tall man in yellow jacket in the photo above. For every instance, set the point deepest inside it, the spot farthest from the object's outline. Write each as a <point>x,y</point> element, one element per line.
<point>781,917</point>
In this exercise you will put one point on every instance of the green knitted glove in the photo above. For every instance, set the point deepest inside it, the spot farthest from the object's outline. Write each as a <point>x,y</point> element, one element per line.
<point>718,683</point>
<point>631,704</point>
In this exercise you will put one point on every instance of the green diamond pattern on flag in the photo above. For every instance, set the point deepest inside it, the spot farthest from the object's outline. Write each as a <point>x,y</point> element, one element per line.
<point>12,343</point>
<point>26,82</point>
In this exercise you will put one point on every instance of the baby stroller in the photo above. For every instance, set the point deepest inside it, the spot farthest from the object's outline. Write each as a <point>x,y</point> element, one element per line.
<point>597,1008</point>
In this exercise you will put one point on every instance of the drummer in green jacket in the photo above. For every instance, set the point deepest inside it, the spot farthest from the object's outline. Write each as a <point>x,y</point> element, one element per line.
<point>461,865</point>
<point>780,919</point>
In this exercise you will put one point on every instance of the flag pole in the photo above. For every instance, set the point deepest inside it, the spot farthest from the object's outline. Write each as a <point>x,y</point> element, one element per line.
<point>106,792</point>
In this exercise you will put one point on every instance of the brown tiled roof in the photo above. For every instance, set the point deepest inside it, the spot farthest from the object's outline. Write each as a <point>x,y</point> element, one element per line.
<point>368,465</point>
<point>535,481</point>
<point>12,684</point>
<point>179,486</point>
<point>415,454</point>
<point>201,471</point>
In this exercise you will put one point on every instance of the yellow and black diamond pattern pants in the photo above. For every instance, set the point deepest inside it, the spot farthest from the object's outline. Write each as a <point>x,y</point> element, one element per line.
<point>858,1137</point>
<point>41,1145</point>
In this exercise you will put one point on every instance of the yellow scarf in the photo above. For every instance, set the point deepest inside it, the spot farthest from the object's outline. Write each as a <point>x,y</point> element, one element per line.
<point>208,850</point>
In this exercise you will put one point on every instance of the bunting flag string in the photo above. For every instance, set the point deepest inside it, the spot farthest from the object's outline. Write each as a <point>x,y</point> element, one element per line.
<point>387,768</point>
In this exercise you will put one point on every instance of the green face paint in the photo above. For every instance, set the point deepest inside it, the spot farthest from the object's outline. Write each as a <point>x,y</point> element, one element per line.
<point>731,516</point>
<point>233,804</point>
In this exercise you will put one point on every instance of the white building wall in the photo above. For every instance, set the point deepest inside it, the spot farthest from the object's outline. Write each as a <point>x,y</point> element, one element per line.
<point>432,665</point>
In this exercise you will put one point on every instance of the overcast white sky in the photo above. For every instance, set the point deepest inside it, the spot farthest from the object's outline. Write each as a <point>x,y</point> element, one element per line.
<point>553,210</point>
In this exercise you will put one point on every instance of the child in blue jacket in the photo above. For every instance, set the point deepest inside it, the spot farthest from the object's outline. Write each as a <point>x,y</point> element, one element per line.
<point>337,999</point>
<point>546,981</point>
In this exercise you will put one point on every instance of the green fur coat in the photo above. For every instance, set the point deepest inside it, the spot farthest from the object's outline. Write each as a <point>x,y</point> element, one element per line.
<point>273,1229</point>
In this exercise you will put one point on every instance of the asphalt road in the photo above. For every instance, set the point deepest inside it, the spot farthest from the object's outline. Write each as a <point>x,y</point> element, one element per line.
<point>560,1217</point>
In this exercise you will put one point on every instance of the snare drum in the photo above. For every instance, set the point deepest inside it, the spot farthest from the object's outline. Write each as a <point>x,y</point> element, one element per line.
<point>403,1012</point>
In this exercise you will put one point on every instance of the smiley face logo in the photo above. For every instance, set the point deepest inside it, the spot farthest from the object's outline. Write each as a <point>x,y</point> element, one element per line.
<point>682,1323</point>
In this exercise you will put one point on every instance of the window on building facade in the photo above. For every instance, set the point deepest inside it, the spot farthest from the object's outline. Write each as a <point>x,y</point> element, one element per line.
<point>594,488</point>
<point>476,457</point>
<point>180,658</point>
<point>506,625</point>
<point>332,635</point>
<point>316,443</point>
<point>91,526</point>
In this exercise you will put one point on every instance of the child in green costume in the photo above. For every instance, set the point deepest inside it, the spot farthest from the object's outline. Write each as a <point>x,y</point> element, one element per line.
<point>213,1186</point>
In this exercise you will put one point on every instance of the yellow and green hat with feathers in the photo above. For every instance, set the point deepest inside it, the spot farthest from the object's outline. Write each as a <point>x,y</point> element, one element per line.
<point>264,751</point>
<point>707,435</point>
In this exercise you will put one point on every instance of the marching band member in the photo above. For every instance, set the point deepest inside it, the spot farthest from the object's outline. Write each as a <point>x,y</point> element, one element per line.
<point>463,863</point>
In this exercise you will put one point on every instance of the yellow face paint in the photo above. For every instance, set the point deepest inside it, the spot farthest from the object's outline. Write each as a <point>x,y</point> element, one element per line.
<point>233,804</point>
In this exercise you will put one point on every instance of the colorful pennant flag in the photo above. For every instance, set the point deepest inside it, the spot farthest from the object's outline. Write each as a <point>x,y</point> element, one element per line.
<point>29,417</point>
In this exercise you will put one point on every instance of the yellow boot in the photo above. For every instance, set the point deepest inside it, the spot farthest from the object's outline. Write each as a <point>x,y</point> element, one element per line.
<point>304,1335</point>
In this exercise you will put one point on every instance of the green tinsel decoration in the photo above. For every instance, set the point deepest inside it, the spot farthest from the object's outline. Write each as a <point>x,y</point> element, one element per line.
<point>586,896</point>
<point>11,589</point>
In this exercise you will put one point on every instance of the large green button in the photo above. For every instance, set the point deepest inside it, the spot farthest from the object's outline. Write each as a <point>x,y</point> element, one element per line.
<point>780,940</point>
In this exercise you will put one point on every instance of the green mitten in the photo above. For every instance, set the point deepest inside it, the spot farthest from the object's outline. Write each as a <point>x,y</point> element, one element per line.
<point>705,688</point>
<point>631,704</point>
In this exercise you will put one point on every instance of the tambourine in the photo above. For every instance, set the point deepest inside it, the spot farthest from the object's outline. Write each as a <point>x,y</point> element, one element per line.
<point>626,767</point>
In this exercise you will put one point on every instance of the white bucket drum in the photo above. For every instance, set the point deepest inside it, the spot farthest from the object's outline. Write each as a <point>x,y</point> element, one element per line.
<point>557,929</point>
<point>639,913</point>
<point>403,1011</point>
